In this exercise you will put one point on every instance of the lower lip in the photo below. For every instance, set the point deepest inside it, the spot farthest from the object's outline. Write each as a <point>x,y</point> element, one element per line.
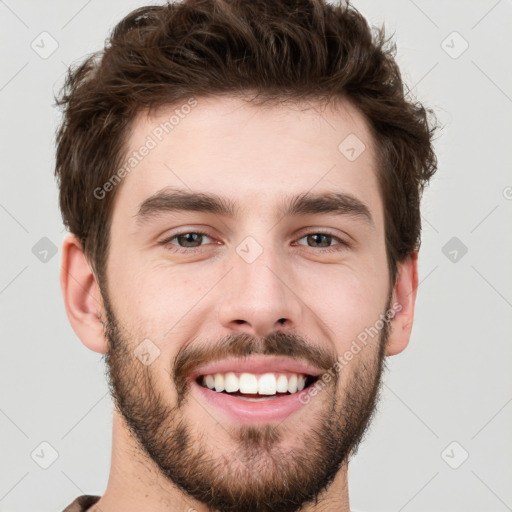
<point>246,412</point>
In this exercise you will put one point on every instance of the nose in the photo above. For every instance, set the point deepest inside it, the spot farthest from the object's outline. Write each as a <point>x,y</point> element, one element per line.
<point>258,297</point>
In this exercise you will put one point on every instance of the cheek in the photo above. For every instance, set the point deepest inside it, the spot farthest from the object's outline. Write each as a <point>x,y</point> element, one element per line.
<point>153,295</point>
<point>358,326</point>
<point>348,298</point>
<point>352,323</point>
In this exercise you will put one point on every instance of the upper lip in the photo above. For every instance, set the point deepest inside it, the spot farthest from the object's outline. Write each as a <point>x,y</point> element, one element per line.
<point>257,364</point>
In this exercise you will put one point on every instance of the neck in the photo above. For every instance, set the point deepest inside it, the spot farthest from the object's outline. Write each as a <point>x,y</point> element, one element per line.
<point>135,483</point>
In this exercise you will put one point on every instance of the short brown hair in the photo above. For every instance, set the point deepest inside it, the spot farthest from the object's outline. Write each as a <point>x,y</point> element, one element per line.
<point>283,50</point>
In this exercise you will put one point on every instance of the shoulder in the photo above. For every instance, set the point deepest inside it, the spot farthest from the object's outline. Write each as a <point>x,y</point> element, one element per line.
<point>82,503</point>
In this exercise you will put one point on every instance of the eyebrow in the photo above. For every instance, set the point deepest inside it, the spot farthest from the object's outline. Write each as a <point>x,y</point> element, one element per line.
<point>177,200</point>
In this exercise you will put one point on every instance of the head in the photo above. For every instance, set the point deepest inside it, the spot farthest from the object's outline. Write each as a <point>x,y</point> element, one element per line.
<point>203,155</point>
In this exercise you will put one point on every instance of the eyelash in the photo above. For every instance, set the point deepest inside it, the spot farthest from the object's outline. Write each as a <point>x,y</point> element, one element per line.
<point>182,250</point>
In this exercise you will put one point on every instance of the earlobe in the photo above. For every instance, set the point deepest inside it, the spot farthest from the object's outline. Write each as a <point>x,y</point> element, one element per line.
<point>403,301</point>
<point>82,297</point>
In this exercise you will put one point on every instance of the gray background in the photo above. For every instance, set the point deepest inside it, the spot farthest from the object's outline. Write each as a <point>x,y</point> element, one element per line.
<point>453,383</point>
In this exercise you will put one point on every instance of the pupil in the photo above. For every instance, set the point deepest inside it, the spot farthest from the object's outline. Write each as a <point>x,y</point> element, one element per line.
<point>327,239</point>
<point>189,238</point>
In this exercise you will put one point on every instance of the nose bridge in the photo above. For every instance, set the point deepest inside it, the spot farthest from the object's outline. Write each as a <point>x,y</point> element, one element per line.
<point>258,266</point>
<point>256,295</point>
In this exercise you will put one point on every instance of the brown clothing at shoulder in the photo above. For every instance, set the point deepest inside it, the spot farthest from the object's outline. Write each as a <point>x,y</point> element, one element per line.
<point>82,503</point>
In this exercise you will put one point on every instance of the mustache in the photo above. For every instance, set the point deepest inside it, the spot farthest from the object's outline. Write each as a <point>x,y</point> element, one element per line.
<point>277,343</point>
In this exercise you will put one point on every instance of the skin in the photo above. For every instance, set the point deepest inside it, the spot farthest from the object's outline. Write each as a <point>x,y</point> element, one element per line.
<point>255,156</point>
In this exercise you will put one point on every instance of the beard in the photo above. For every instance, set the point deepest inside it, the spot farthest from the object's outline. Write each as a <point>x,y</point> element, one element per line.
<point>255,472</point>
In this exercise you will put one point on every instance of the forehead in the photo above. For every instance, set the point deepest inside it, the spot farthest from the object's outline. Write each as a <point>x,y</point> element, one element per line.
<point>254,154</point>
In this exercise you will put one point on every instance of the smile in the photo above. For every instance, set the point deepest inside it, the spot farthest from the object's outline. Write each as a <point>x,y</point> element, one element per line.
<point>250,386</point>
<point>254,396</point>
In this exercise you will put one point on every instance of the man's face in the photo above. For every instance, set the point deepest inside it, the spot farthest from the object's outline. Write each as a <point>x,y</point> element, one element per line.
<point>267,298</point>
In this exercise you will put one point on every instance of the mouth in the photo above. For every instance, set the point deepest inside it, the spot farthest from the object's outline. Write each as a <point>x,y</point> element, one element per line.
<point>257,390</point>
<point>253,387</point>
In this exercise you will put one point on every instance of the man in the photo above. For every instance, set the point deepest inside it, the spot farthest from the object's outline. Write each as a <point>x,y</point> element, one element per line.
<point>241,182</point>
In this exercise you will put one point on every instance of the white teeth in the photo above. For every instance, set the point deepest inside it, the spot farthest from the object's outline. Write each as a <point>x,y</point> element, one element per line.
<point>292,384</point>
<point>209,380</point>
<point>267,384</point>
<point>248,383</point>
<point>231,382</point>
<point>219,382</point>
<point>282,384</point>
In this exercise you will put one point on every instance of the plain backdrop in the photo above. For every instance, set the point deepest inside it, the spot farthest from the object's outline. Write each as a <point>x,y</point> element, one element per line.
<point>441,438</point>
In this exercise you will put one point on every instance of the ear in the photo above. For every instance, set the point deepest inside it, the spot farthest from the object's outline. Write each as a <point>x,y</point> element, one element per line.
<point>82,297</point>
<point>404,297</point>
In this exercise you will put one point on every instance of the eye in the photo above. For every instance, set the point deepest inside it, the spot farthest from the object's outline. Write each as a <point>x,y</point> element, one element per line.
<point>324,241</point>
<point>187,241</point>
<point>191,241</point>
